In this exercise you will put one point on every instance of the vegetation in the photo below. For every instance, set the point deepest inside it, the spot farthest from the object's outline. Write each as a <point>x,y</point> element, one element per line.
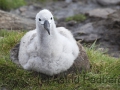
<point>78,17</point>
<point>104,73</point>
<point>10,4</point>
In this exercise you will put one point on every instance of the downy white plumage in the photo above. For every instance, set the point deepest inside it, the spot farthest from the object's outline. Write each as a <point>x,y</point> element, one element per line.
<point>47,49</point>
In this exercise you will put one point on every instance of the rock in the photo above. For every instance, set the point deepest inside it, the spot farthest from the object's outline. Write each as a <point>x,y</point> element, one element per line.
<point>87,33</point>
<point>23,8</point>
<point>115,54</point>
<point>30,11</point>
<point>115,17</point>
<point>68,1</point>
<point>71,23</point>
<point>14,22</point>
<point>114,22</point>
<point>81,63</point>
<point>108,2</point>
<point>100,13</point>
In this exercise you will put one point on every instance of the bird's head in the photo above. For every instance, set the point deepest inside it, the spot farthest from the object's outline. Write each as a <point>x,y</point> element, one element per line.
<point>45,20</point>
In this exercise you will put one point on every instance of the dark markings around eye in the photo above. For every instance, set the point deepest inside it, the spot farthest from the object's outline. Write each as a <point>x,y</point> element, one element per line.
<point>39,19</point>
<point>51,18</point>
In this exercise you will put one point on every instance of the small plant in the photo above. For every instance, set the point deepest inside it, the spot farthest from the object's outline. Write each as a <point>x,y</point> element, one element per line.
<point>78,17</point>
<point>10,4</point>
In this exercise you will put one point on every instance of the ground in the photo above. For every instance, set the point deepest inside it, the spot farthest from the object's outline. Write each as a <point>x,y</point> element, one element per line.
<point>103,75</point>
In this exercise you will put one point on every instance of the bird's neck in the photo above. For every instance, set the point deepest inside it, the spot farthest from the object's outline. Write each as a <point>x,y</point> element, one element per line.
<point>45,38</point>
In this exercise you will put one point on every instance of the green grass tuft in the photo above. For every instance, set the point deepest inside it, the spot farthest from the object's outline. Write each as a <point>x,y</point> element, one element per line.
<point>11,4</point>
<point>78,17</point>
<point>9,39</point>
<point>15,78</point>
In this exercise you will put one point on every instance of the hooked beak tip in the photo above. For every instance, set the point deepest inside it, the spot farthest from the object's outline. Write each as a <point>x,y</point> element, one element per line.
<point>47,26</point>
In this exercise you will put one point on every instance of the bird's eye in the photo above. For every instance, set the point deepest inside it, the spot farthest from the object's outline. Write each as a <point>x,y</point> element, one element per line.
<point>39,19</point>
<point>51,18</point>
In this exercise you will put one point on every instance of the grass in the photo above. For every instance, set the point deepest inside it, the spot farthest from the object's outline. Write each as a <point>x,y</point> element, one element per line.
<point>78,17</point>
<point>11,4</point>
<point>103,75</point>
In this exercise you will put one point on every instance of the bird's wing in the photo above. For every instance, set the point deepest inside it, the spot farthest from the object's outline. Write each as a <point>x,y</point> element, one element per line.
<point>28,47</point>
<point>14,52</point>
<point>66,33</point>
<point>28,37</point>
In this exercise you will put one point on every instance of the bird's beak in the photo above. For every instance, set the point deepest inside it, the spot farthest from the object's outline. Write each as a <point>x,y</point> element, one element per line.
<point>47,26</point>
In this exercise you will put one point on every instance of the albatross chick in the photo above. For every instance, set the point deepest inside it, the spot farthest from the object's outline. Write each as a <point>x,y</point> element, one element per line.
<point>49,49</point>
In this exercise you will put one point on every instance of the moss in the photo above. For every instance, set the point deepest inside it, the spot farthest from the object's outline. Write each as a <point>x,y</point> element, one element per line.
<point>78,17</point>
<point>11,4</point>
